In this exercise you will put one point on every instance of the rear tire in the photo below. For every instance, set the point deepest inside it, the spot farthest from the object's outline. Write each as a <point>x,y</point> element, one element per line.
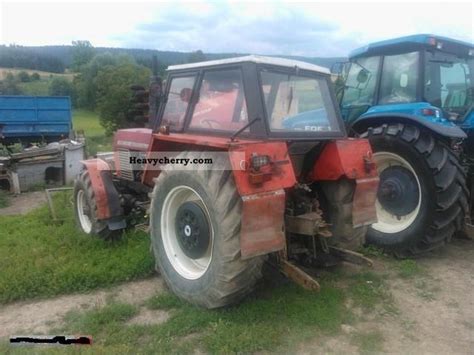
<point>85,210</point>
<point>438,205</point>
<point>208,269</point>
<point>339,195</point>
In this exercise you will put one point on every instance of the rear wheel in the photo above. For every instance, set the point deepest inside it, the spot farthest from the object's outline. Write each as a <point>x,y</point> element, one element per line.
<point>85,210</point>
<point>195,230</point>
<point>339,195</point>
<point>422,197</point>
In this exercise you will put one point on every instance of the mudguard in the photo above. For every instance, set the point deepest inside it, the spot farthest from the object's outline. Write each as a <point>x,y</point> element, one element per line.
<point>352,159</point>
<point>263,209</point>
<point>106,195</point>
<point>377,119</point>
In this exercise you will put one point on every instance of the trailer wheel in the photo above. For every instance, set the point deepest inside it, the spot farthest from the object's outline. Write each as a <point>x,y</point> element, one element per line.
<point>85,210</point>
<point>339,195</point>
<point>195,231</point>
<point>422,197</point>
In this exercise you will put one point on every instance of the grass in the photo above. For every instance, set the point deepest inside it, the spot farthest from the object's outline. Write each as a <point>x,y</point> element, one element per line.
<point>36,88</point>
<point>40,258</point>
<point>368,290</point>
<point>265,322</point>
<point>4,199</point>
<point>96,140</point>
<point>408,268</point>
<point>368,343</point>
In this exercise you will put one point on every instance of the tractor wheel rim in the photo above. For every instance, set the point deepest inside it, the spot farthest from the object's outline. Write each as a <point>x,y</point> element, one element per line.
<point>388,221</point>
<point>82,207</point>
<point>181,260</point>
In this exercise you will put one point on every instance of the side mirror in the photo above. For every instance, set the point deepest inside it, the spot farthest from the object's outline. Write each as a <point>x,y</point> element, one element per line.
<point>185,94</point>
<point>362,76</point>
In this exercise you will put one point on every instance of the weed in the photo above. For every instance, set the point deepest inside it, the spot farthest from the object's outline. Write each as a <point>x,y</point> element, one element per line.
<point>408,268</point>
<point>4,199</point>
<point>368,343</point>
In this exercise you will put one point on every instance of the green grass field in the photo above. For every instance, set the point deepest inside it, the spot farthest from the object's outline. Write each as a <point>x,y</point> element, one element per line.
<point>96,140</point>
<point>41,258</point>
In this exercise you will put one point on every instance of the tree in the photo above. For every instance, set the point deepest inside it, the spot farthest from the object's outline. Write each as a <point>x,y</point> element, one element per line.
<point>85,84</point>
<point>61,87</point>
<point>114,94</point>
<point>197,56</point>
<point>35,77</point>
<point>82,53</point>
<point>24,77</point>
<point>9,86</point>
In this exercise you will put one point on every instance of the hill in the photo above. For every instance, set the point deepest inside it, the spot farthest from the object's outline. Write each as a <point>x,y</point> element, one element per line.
<point>63,54</point>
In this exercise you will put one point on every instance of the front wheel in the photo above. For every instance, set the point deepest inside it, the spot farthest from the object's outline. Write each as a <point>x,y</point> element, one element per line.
<point>85,210</point>
<point>422,197</point>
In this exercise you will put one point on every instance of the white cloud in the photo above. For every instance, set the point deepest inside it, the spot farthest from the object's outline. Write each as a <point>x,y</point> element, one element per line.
<point>273,27</point>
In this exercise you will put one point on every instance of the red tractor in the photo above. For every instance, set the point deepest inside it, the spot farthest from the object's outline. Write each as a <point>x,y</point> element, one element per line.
<point>247,160</point>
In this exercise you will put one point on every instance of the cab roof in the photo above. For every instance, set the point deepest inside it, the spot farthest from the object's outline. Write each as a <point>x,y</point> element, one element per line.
<point>412,43</point>
<point>282,62</point>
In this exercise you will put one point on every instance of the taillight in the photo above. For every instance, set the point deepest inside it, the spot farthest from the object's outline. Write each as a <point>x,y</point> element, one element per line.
<point>430,112</point>
<point>258,161</point>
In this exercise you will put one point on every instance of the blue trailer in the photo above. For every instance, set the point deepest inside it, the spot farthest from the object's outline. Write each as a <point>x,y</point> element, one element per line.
<point>29,119</point>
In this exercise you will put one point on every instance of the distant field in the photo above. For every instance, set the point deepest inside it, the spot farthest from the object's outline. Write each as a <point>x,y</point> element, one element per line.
<point>89,122</point>
<point>42,74</point>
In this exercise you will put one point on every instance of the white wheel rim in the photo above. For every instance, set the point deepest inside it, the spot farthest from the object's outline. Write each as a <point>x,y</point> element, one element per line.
<point>188,268</point>
<point>387,222</point>
<point>84,219</point>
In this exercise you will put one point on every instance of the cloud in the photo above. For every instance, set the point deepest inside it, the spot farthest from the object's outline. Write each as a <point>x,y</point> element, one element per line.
<point>286,27</point>
<point>226,28</point>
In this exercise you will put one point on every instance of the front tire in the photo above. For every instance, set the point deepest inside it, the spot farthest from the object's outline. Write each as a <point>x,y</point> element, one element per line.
<point>422,198</point>
<point>195,231</point>
<point>85,210</point>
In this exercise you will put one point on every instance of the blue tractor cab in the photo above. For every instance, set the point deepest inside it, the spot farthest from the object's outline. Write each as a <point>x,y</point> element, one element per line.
<point>413,97</point>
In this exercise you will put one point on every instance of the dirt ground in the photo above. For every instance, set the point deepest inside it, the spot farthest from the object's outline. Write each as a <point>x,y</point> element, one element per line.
<point>23,203</point>
<point>434,308</point>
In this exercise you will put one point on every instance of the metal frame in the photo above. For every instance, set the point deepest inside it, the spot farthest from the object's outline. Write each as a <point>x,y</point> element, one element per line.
<point>50,201</point>
<point>254,100</point>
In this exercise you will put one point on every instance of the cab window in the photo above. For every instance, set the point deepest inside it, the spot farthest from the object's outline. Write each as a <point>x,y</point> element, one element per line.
<point>360,82</point>
<point>178,100</point>
<point>221,103</point>
<point>399,78</point>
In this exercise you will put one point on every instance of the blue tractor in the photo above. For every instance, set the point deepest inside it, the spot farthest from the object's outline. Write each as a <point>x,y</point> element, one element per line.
<point>413,98</point>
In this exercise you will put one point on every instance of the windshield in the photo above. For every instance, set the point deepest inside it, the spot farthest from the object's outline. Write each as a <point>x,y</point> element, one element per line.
<point>360,82</point>
<point>449,82</point>
<point>298,103</point>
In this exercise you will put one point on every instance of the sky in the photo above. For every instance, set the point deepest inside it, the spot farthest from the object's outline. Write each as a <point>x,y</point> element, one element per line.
<point>317,29</point>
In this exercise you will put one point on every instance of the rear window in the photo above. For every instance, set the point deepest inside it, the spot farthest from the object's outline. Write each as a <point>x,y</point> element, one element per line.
<point>298,103</point>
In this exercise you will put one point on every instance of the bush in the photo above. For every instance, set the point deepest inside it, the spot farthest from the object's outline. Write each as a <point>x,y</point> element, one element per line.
<point>60,87</point>
<point>24,77</point>
<point>35,77</point>
<point>9,86</point>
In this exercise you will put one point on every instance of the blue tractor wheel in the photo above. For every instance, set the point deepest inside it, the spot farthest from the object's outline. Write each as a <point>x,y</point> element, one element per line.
<point>422,199</point>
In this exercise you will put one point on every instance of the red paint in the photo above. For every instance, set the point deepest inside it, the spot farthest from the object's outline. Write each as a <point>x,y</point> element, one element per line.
<point>345,158</point>
<point>262,230</point>
<point>280,171</point>
<point>94,168</point>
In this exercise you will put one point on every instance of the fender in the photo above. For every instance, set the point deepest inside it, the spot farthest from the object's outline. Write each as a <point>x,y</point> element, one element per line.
<point>352,158</point>
<point>263,204</point>
<point>376,119</point>
<point>106,195</point>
